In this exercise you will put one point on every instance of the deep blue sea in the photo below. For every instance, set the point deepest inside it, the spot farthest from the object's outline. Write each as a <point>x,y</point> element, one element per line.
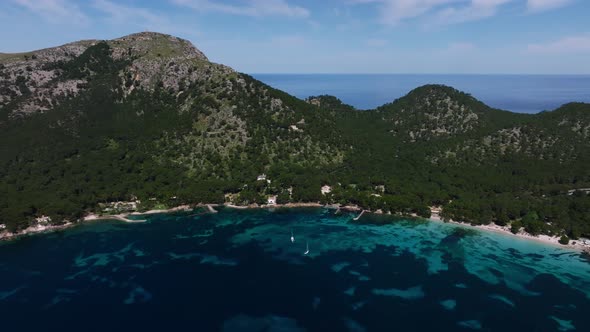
<point>517,93</point>
<point>238,271</point>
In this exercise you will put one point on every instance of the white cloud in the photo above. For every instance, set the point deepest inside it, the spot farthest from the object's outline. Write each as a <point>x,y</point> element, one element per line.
<point>123,14</point>
<point>544,5</point>
<point>55,11</point>
<point>565,45</point>
<point>476,10</point>
<point>255,8</point>
<point>142,18</point>
<point>392,12</point>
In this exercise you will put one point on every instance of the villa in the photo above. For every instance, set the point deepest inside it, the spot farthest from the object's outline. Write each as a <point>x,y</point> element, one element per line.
<point>326,189</point>
<point>272,200</point>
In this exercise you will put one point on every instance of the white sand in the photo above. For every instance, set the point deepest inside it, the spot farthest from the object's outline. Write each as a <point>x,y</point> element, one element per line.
<point>553,240</point>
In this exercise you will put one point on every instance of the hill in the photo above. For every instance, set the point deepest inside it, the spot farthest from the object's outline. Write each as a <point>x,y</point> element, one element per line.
<point>149,118</point>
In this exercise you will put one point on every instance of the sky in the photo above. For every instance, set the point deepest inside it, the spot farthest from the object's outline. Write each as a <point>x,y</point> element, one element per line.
<point>329,36</point>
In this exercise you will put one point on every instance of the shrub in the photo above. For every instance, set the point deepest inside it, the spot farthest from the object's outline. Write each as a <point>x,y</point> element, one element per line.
<point>564,240</point>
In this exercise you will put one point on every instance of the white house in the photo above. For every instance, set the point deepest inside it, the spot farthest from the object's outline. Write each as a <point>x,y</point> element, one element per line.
<point>271,200</point>
<point>261,177</point>
<point>43,219</point>
<point>2,226</point>
<point>326,189</point>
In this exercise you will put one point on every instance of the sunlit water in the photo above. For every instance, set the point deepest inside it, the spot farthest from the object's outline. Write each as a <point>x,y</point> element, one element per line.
<point>239,271</point>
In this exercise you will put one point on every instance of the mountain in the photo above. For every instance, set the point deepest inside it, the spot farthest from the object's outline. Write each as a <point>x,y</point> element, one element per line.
<point>148,118</point>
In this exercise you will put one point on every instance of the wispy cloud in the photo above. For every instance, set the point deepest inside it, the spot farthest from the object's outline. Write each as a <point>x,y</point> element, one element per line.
<point>545,5</point>
<point>55,11</point>
<point>124,14</point>
<point>475,10</point>
<point>254,8</point>
<point>140,17</point>
<point>392,12</point>
<point>566,45</point>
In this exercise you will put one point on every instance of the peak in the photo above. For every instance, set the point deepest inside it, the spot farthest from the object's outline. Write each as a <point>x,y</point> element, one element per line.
<point>158,45</point>
<point>434,110</point>
<point>438,90</point>
<point>436,94</point>
<point>142,45</point>
<point>147,34</point>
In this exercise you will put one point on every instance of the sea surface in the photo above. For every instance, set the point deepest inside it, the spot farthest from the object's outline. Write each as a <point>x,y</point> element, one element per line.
<point>517,93</point>
<point>238,270</point>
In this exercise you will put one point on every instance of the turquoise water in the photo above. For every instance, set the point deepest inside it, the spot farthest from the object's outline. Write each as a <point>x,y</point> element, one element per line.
<point>238,271</point>
<point>517,93</point>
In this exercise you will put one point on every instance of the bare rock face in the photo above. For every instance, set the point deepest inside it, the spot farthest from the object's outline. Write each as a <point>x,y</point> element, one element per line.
<point>147,44</point>
<point>33,82</point>
<point>27,73</point>
<point>159,58</point>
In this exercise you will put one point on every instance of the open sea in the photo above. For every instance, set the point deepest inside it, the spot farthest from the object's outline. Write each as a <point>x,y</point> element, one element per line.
<point>517,93</point>
<point>238,270</point>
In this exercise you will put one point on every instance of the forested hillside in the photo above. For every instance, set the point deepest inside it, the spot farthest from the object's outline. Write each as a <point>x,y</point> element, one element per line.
<point>148,117</point>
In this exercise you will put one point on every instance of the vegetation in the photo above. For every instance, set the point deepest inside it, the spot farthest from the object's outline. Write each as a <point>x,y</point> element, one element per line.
<point>206,136</point>
<point>564,240</point>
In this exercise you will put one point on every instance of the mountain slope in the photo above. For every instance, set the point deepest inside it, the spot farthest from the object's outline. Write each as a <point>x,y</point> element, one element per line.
<point>166,117</point>
<point>148,117</point>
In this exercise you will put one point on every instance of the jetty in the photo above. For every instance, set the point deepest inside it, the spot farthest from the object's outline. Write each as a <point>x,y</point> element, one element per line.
<point>211,209</point>
<point>359,216</point>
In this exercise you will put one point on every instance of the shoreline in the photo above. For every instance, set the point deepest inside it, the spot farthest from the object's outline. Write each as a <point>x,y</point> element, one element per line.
<point>40,229</point>
<point>545,239</point>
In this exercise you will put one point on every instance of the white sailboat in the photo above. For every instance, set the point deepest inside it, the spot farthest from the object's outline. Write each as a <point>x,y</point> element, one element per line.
<point>292,237</point>
<point>307,248</point>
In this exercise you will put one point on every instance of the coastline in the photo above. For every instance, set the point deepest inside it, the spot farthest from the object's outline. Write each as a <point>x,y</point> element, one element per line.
<point>545,239</point>
<point>38,229</point>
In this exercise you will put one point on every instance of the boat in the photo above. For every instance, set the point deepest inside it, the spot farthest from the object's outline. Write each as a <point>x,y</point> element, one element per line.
<point>307,248</point>
<point>292,237</point>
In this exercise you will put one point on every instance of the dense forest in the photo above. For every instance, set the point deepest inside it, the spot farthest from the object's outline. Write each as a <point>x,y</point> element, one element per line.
<point>147,117</point>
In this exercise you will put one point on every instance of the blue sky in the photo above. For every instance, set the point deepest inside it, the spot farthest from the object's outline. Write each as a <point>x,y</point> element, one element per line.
<point>329,36</point>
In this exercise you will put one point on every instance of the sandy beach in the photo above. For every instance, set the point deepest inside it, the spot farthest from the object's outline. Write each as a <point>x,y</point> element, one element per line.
<point>546,239</point>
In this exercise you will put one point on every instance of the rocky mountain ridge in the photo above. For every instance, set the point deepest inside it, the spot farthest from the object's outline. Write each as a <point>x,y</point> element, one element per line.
<point>34,81</point>
<point>148,116</point>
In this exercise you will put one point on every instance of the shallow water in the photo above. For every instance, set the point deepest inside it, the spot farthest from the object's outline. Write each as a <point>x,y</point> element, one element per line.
<point>238,270</point>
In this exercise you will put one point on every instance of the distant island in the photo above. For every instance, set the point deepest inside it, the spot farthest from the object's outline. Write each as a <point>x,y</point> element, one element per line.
<point>96,129</point>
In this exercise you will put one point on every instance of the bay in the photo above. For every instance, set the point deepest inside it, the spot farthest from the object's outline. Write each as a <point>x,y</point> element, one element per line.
<point>238,270</point>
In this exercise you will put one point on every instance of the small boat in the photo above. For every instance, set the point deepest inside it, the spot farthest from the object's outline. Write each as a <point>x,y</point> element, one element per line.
<point>307,248</point>
<point>292,237</point>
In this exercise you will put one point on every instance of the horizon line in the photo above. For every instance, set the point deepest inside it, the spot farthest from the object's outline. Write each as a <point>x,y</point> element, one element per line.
<point>439,74</point>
